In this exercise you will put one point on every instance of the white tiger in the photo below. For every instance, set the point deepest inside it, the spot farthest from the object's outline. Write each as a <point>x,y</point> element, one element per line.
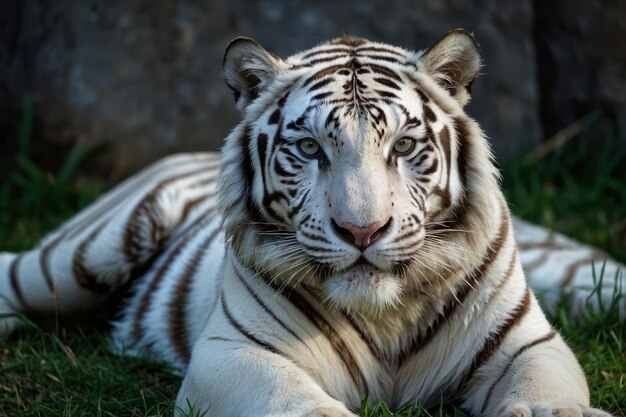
<point>355,244</point>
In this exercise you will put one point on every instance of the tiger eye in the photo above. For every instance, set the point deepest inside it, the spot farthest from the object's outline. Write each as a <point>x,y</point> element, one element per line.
<point>403,146</point>
<point>308,147</point>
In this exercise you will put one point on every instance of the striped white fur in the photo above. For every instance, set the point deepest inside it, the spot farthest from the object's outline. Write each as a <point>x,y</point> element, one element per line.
<point>277,300</point>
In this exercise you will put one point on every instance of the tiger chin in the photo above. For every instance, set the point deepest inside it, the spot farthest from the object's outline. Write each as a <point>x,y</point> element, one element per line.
<point>351,241</point>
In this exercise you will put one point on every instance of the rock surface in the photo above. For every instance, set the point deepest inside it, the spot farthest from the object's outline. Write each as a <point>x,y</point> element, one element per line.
<point>145,77</point>
<point>581,53</point>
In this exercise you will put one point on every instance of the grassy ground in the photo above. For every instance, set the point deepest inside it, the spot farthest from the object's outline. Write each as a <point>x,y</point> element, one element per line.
<point>579,190</point>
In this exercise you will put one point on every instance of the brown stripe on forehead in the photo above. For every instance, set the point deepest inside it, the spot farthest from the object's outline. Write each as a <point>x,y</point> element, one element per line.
<point>322,73</point>
<point>379,49</point>
<point>318,61</point>
<point>320,84</point>
<point>422,96</point>
<point>381,69</point>
<point>327,51</point>
<point>387,83</point>
<point>381,58</point>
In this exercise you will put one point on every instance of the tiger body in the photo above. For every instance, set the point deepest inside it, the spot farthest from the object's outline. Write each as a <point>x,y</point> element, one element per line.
<point>355,243</point>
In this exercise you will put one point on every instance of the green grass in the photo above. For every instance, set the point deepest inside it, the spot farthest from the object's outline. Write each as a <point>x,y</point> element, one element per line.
<point>73,374</point>
<point>579,190</point>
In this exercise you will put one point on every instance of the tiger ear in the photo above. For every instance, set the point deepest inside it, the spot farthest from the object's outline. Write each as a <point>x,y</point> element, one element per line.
<point>454,62</point>
<point>248,68</point>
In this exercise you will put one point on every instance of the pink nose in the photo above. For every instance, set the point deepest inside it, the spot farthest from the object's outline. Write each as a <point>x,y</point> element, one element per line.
<point>361,237</point>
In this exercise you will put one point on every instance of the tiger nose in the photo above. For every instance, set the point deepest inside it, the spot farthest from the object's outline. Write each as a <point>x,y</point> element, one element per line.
<point>361,237</point>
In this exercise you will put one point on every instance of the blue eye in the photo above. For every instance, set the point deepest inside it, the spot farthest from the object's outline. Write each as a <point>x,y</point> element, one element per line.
<point>404,146</point>
<point>308,147</point>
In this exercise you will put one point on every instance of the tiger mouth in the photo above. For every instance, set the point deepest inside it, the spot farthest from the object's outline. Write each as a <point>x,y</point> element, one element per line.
<point>361,267</point>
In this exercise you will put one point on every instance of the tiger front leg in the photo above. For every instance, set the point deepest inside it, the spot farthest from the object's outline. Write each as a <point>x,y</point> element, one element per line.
<point>542,380</point>
<point>228,378</point>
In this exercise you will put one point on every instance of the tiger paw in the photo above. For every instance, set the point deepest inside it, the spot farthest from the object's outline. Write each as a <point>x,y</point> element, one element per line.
<point>522,409</point>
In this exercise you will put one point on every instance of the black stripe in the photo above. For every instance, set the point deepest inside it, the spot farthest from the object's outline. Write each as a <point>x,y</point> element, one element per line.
<point>132,246</point>
<point>86,278</point>
<point>320,84</point>
<point>463,155</point>
<point>431,169</point>
<point>341,349</point>
<point>476,275</point>
<point>321,96</point>
<point>326,51</point>
<point>521,350</point>
<point>380,69</point>
<point>146,299</point>
<point>274,117</point>
<point>261,143</point>
<point>369,342</point>
<point>314,62</point>
<point>15,284</point>
<point>429,114</point>
<point>322,73</point>
<point>243,331</point>
<point>379,49</point>
<point>190,205</point>
<point>386,94</point>
<point>387,83</point>
<point>179,336</point>
<point>494,340</point>
<point>381,58</point>
<point>444,140</point>
<point>264,306</point>
<point>43,261</point>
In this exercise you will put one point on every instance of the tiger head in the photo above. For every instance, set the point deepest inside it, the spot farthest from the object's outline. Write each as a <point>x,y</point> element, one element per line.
<point>355,170</point>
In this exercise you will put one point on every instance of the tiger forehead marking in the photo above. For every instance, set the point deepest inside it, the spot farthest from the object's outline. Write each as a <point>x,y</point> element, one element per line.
<point>357,79</point>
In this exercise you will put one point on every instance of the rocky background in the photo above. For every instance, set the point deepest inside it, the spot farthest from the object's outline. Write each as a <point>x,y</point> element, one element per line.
<point>138,79</point>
